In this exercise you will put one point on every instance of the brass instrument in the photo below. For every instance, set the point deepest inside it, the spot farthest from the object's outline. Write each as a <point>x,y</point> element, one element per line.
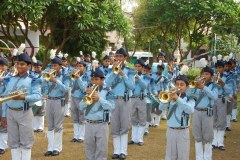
<point>13,94</point>
<point>193,83</point>
<point>47,75</point>
<point>74,74</point>
<point>14,70</point>
<point>164,96</point>
<point>218,77</point>
<point>2,74</point>
<point>88,98</point>
<point>116,69</point>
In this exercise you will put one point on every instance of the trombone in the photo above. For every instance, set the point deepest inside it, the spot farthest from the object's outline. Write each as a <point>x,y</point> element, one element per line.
<point>88,98</point>
<point>193,83</point>
<point>47,75</point>
<point>117,68</point>
<point>218,76</point>
<point>74,74</point>
<point>164,96</point>
<point>13,94</point>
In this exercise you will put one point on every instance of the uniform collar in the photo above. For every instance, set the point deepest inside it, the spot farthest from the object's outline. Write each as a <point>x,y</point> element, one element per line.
<point>23,76</point>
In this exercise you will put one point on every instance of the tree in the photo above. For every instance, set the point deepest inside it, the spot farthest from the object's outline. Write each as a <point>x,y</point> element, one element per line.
<point>62,22</point>
<point>169,22</point>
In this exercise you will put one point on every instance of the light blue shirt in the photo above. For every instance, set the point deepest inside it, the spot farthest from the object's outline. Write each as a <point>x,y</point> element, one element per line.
<point>80,85</point>
<point>61,86</point>
<point>121,84</point>
<point>141,85</point>
<point>32,85</point>
<point>96,112</point>
<point>210,93</point>
<point>183,106</point>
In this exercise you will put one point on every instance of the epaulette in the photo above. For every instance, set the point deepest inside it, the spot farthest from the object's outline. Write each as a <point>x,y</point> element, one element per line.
<point>132,71</point>
<point>147,77</point>
<point>106,89</point>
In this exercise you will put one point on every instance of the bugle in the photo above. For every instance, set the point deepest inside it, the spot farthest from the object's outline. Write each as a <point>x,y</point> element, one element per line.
<point>47,75</point>
<point>117,68</point>
<point>88,98</point>
<point>74,74</point>
<point>13,94</point>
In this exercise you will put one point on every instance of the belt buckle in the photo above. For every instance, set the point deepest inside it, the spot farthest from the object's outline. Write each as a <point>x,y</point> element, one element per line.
<point>94,122</point>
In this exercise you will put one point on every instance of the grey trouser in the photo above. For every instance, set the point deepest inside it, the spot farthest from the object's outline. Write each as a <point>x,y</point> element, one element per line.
<point>219,114</point>
<point>120,118</point>
<point>229,108</point>
<point>20,130</point>
<point>178,144</point>
<point>234,105</point>
<point>148,110</point>
<point>139,113</point>
<point>96,141</point>
<point>78,116</point>
<point>155,109</point>
<point>54,115</point>
<point>202,127</point>
<point>2,130</point>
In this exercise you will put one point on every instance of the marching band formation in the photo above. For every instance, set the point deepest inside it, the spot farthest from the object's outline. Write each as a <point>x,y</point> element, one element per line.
<point>96,96</point>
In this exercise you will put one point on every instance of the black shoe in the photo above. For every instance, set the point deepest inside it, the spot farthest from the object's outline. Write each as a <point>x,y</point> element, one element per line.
<point>146,133</point>
<point>122,156</point>
<point>164,118</point>
<point>140,143</point>
<point>228,129</point>
<point>35,130</point>
<point>131,142</point>
<point>2,151</point>
<point>214,147</point>
<point>67,116</point>
<point>115,156</point>
<point>48,153</point>
<point>234,120</point>
<point>55,153</point>
<point>80,141</point>
<point>222,148</point>
<point>74,140</point>
<point>39,130</point>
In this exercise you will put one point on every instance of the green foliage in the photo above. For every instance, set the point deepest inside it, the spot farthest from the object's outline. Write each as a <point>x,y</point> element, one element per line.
<point>193,73</point>
<point>79,23</point>
<point>169,21</point>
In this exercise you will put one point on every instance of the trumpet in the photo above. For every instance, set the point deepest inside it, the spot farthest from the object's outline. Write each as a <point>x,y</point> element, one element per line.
<point>193,83</point>
<point>217,77</point>
<point>88,98</point>
<point>74,74</point>
<point>13,94</point>
<point>14,70</point>
<point>2,74</point>
<point>47,75</point>
<point>164,96</point>
<point>117,68</point>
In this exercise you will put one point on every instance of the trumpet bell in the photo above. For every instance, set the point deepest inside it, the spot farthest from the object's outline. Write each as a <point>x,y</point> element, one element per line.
<point>192,84</point>
<point>49,74</point>
<point>164,97</point>
<point>88,100</point>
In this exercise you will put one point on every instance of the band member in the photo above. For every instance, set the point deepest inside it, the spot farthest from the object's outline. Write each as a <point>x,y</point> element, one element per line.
<point>160,85</point>
<point>3,130</point>
<point>96,137</point>
<point>178,138</point>
<point>105,67</point>
<point>220,106</point>
<point>66,69</point>
<point>230,78</point>
<point>138,117</point>
<point>121,83</point>
<point>39,107</point>
<point>206,94</point>
<point>79,86</point>
<point>149,100</point>
<point>55,88</point>
<point>87,60</point>
<point>17,113</point>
